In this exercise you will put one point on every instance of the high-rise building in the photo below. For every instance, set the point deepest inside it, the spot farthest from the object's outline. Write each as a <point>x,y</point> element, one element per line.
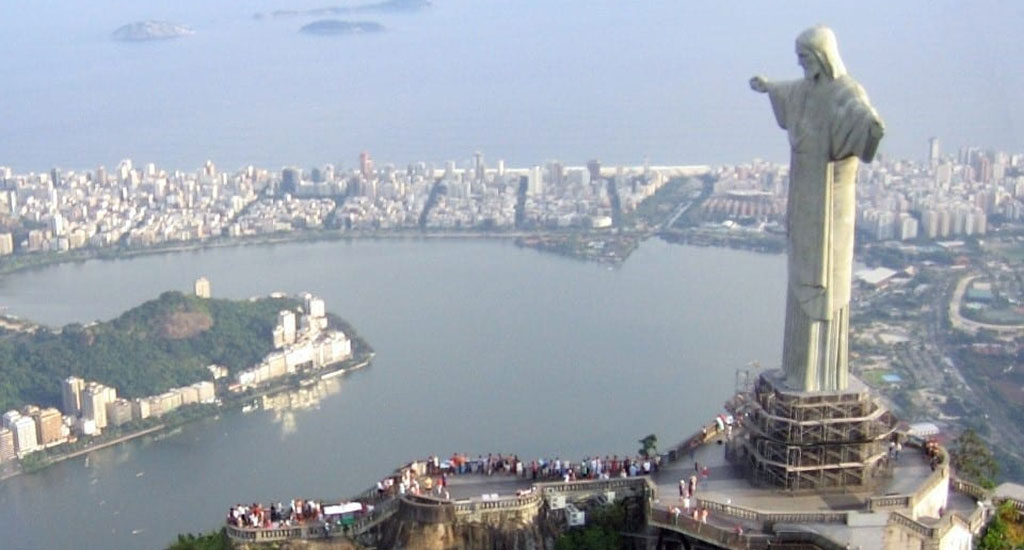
<point>594,167</point>
<point>9,418</point>
<point>202,287</point>
<point>291,178</point>
<point>933,152</point>
<point>478,166</point>
<point>119,412</point>
<point>71,394</point>
<point>7,449</point>
<point>556,173</point>
<point>315,306</point>
<point>6,244</point>
<point>25,441</point>
<point>365,165</point>
<point>95,397</point>
<point>49,426</point>
<point>535,184</point>
<point>140,409</point>
<point>286,320</point>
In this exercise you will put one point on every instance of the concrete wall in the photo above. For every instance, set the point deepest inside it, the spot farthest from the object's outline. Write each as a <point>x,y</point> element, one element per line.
<point>931,499</point>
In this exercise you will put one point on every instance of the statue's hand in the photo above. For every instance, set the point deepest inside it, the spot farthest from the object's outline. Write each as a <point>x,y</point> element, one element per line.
<point>759,84</point>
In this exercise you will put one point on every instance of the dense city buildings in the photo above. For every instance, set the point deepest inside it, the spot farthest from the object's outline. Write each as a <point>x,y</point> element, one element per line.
<point>948,197</point>
<point>135,208</point>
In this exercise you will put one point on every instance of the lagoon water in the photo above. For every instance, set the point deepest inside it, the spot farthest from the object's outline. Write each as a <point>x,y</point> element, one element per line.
<point>481,347</point>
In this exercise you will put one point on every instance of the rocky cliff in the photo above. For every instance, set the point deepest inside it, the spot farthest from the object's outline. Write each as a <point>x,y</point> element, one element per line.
<point>410,535</point>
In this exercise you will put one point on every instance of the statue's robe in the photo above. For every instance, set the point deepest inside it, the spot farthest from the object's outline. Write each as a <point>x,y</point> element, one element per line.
<point>829,125</point>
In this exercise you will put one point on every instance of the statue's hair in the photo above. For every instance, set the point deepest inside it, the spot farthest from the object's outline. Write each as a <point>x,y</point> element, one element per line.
<point>821,41</point>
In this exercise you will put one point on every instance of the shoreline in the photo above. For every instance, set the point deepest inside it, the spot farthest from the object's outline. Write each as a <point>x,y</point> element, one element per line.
<point>236,402</point>
<point>61,458</point>
<point>84,255</point>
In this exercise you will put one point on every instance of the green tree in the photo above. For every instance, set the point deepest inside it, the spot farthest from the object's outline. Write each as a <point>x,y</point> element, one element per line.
<point>649,446</point>
<point>217,540</point>
<point>1004,532</point>
<point>973,460</point>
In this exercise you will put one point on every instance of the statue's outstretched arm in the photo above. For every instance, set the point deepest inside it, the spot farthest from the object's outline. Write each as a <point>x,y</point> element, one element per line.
<point>760,84</point>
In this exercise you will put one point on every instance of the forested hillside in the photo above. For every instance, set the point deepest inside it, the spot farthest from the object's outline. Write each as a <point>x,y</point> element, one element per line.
<point>163,343</point>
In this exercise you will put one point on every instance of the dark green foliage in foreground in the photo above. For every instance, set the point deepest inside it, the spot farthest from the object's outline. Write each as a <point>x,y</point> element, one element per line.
<point>217,540</point>
<point>156,346</point>
<point>601,532</point>
<point>1004,532</point>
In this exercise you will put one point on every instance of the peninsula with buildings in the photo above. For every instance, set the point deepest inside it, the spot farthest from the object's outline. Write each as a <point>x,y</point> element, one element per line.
<point>163,363</point>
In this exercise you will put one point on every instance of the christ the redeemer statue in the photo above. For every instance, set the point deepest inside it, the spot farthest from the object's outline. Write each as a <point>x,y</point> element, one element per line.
<point>831,125</point>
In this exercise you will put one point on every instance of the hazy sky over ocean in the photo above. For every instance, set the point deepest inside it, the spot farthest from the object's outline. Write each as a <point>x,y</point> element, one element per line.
<point>523,80</point>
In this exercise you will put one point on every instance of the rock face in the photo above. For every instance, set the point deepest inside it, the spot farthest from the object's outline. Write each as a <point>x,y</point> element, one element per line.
<point>408,535</point>
<point>143,31</point>
<point>438,526</point>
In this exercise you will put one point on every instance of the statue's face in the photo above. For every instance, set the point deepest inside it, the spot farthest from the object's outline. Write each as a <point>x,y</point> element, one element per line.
<point>806,59</point>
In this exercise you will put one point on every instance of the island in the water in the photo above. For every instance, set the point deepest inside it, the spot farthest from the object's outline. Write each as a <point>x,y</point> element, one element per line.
<point>160,364</point>
<point>144,31</point>
<point>336,27</point>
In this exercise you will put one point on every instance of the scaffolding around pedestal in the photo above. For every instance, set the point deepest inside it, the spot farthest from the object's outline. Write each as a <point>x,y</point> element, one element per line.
<point>796,440</point>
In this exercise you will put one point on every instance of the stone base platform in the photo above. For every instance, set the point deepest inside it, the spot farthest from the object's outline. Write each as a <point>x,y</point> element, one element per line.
<point>814,441</point>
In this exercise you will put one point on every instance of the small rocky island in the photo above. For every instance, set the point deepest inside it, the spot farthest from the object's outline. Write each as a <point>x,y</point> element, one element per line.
<point>337,27</point>
<point>145,31</point>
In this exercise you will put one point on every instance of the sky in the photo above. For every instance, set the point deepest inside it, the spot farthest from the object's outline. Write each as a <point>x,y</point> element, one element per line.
<point>523,80</point>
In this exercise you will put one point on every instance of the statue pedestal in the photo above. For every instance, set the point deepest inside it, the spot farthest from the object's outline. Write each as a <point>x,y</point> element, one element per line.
<point>797,440</point>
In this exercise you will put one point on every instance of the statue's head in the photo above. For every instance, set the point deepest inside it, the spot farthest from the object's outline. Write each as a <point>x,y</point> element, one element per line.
<point>818,53</point>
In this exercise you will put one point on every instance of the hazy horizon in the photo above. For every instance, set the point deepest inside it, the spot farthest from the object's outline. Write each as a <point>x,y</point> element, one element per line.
<point>523,81</point>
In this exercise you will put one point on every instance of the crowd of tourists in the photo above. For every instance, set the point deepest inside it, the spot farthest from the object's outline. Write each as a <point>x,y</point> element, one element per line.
<point>275,515</point>
<point>545,469</point>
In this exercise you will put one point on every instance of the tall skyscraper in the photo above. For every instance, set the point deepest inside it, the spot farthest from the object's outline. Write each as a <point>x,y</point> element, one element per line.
<point>933,152</point>
<point>478,166</point>
<point>71,394</point>
<point>25,441</point>
<point>556,173</point>
<point>94,403</point>
<point>365,165</point>
<point>594,167</point>
<point>291,177</point>
<point>286,320</point>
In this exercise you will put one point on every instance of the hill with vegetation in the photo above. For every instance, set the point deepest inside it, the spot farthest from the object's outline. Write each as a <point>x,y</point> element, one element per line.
<point>161,344</point>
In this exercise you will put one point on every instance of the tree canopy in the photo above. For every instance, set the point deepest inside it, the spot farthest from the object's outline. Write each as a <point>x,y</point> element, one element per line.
<point>161,344</point>
<point>973,460</point>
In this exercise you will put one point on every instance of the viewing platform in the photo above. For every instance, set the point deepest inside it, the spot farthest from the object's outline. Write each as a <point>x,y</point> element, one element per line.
<point>915,501</point>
